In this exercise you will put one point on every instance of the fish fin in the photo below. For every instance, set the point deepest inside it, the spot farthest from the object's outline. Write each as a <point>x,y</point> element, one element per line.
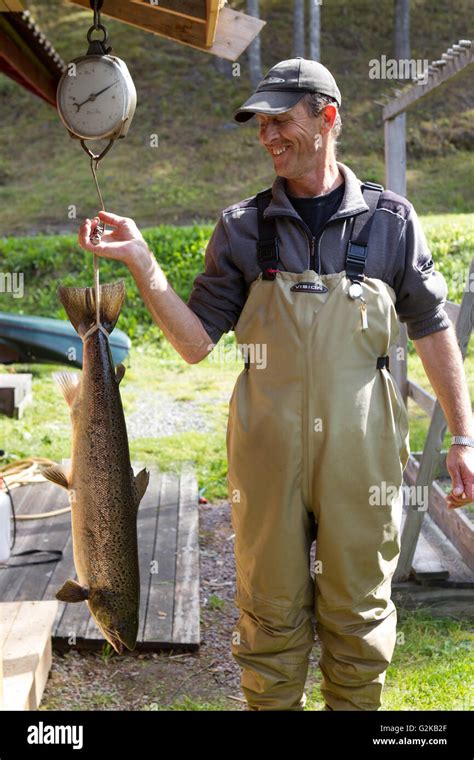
<point>72,591</point>
<point>119,373</point>
<point>69,383</point>
<point>56,475</point>
<point>140,485</point>
<point>79,304</point>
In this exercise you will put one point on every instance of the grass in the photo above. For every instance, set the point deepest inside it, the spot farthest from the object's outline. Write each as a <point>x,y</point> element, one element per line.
<point>432,666</point>
<point>45,429</point>
<point>204,161</point>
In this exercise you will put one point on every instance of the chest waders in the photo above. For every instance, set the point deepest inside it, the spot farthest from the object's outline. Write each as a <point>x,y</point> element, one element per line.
<point>317,441</point>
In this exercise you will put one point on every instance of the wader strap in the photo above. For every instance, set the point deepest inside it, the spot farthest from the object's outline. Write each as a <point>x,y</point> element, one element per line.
<point>383,361</point>
<point>361,224</point>
<point>267,246</point>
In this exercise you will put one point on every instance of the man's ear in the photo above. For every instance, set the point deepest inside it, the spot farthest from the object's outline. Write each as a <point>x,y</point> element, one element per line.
<point>328,117</point>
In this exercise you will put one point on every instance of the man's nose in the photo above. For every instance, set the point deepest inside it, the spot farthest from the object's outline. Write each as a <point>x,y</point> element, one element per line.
<point>268,133</point>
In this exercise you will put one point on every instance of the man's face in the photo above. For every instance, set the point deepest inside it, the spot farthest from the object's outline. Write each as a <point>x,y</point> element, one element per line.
<point>298,133</point>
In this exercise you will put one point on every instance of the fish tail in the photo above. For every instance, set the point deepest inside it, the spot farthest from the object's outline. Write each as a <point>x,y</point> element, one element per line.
<point>79,304</point>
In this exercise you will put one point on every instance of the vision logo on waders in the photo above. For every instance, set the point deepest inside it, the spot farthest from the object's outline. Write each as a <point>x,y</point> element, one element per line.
<point>310,287</point>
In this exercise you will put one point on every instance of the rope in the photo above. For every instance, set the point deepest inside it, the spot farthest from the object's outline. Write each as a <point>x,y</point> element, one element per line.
<point>23,472</point>
<point>96,237</point>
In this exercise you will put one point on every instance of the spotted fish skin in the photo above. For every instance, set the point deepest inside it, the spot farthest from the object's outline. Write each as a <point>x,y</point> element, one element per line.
<point>105,494</point>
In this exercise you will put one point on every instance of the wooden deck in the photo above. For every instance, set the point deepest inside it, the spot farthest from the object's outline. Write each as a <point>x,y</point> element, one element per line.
<point>169,563</point>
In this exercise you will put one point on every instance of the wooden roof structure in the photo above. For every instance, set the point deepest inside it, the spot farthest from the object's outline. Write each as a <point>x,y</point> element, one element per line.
<point>29,58</point>
<point>25,53</point>
<point>207,25</point>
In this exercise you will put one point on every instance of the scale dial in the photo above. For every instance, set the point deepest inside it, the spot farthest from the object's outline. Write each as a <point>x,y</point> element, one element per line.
<point>97,99</point>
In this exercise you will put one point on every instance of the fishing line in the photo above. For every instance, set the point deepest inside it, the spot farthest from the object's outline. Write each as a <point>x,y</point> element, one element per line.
<point>96,237</point>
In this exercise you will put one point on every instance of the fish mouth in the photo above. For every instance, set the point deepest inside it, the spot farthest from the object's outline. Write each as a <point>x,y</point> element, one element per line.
<point>113,639</point>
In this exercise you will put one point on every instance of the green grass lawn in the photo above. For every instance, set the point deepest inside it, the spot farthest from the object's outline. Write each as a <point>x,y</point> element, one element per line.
<point>432,667</point>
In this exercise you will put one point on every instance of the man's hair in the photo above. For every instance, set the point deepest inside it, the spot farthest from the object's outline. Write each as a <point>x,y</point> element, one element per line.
<point>315,102</point>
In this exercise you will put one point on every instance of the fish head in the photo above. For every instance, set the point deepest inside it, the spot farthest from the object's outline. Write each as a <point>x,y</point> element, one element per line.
<point>118,623</point>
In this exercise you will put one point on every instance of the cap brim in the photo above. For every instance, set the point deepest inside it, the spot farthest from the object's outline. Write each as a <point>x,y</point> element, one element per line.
<point>268,101</point>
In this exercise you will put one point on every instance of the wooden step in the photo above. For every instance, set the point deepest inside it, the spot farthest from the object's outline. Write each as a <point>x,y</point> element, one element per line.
<point>26,652</point>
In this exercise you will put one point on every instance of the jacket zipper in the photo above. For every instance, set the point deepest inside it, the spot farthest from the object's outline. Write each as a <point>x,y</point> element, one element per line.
<point>311,240</point>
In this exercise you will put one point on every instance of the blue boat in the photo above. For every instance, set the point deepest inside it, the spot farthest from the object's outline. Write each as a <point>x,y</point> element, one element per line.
<point>42,340</point>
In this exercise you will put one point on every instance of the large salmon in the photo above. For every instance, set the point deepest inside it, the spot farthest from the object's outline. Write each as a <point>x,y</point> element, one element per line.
<point>104,492</point>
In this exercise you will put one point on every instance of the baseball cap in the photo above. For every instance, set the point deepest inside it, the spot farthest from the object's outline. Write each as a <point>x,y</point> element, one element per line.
<point>285,84</point>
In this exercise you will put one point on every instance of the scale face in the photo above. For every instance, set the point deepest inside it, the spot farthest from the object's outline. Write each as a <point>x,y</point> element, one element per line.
<point>97,101</point>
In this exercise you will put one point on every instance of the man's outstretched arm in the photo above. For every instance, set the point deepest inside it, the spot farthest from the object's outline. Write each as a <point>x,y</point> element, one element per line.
<point>124,242</point>
<point>442,360</point>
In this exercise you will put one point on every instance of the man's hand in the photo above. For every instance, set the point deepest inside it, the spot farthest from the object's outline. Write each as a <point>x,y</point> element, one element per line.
<point>460,464</point>
<point>124,242</point>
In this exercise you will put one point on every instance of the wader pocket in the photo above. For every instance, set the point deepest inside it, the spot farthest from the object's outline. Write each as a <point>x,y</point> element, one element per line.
<point>401,417</point>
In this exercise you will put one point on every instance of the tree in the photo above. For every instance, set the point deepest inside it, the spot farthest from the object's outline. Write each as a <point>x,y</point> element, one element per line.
<point>254,55</point>
<point>402,29</point>
<point>314,30</point>
<point>298,28</point>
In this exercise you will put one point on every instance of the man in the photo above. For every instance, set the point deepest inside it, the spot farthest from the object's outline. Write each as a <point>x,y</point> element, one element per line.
<point>320,427</point>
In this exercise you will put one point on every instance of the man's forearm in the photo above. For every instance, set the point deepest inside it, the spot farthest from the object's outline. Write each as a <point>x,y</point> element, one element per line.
<point>444,367</point>
<point>180,325</point>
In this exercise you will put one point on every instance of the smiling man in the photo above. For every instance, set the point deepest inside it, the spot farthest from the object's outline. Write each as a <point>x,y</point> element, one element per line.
<point>318,268</point>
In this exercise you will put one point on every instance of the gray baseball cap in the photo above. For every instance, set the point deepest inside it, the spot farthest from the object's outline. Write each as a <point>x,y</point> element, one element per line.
<point>285,84</point>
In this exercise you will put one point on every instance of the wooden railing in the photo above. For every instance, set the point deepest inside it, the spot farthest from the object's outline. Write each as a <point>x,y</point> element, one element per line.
<point>454,524</point>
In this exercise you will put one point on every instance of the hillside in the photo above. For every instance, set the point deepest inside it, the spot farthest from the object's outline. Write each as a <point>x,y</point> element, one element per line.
<point>204,160</point>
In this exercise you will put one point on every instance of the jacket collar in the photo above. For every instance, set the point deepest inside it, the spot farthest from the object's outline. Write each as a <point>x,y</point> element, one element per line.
<point>352,203</point>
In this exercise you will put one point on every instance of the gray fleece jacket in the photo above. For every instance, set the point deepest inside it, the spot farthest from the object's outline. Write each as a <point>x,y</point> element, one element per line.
<point>397,254</point>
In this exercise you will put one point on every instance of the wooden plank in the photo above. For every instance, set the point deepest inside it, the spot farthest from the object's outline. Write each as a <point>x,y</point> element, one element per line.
<point>14,50</point>
<point>453,523</point>
<point>194,9</point>
<point>27,654</point>
<point>427,564</point>
<point>423,398</point>
<point>186,611</point>
<point>14,6</point>
<point>212,17</point>
<point>24,583</point>
<point>146,16</point>
<point>429,464</point>
<point>147,521</point>
<point>452,310</point>
<point>416,92</point>
<point>160,606</point>
<point>395,154</point>
<point>235,30</point>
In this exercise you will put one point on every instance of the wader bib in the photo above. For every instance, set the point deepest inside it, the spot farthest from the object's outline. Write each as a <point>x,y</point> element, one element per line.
<point>317,441</point>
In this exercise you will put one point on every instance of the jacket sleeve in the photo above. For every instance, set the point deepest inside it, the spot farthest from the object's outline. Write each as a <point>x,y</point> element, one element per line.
<point>421,289</point>
<point>218,293</point>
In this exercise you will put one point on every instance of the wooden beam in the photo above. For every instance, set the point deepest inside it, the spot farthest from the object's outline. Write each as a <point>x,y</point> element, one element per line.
<point>429,464</point>
<point>395,154</point>
<point>455,525</point>
<point>452,310</point>
<point>27,653</point>
<point>421,397</point>
<point>213,8</point>
<point>14,50</point>
<point>440,71</point>
<point>194,9</point>
<point>147,17</point>
<point>235,31</point>
<point>14,6</point>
